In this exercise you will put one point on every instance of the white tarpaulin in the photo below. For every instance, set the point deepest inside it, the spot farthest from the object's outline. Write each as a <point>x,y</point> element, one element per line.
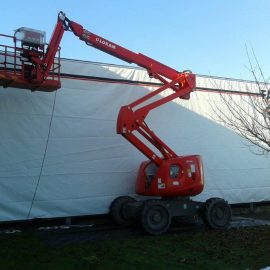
<point>60,154</point>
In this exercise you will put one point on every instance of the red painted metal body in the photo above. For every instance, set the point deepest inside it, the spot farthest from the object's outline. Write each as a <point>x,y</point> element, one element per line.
<point>174,175</point>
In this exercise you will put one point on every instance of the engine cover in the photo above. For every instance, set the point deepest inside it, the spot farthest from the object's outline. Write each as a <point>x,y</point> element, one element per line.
<point>181,176</point>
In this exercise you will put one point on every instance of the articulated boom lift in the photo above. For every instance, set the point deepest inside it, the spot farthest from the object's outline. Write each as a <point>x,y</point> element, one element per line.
<point>171,178</point>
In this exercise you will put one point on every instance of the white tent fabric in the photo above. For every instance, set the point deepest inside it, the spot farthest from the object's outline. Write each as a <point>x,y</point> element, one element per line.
<point>86,164</point>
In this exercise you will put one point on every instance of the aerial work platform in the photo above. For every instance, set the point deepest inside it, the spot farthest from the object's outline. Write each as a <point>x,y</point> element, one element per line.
<point>15,68</point>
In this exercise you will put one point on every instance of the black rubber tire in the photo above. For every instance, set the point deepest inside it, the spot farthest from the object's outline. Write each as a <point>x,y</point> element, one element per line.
<point>116,210</point>
<point>217,214</point>
<point>155,217</point>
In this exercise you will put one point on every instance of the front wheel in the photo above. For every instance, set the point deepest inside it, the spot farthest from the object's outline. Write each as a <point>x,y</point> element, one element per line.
<point>217,213</point>
<point>155,217</point>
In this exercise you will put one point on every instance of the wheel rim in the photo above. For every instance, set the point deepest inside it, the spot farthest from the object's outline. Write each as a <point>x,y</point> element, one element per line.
<point>155,217</point>
<point>220,215</point>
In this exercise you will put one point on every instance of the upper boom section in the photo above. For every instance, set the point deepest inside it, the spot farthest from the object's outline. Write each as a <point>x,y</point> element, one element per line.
<point>122,53</point>
<point>155,69</point>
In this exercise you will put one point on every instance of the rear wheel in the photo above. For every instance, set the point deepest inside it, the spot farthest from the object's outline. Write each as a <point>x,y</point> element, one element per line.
<point>217,213</point>
<point>116,210</point>
<point>155,217</point>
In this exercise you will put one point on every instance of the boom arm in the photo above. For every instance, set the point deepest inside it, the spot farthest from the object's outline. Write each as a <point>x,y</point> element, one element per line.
<point>130,118</point>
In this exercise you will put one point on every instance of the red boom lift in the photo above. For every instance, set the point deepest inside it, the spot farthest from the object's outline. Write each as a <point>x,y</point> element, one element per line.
<point>171,178</point>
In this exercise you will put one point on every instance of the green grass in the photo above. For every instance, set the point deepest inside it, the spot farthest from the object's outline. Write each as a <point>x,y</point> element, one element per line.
<point>233,249</point>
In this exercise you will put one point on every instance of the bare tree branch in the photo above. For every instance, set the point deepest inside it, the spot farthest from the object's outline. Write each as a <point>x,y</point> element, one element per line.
<point>247,113</point>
